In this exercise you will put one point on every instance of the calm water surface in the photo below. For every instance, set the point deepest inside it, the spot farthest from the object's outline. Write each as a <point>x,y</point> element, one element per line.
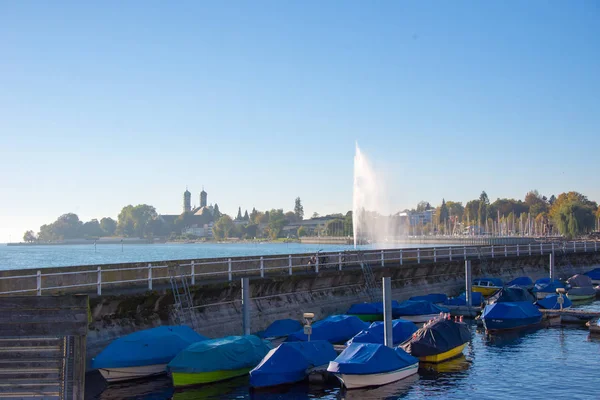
<point>551,363</point>
<point>19,257</point>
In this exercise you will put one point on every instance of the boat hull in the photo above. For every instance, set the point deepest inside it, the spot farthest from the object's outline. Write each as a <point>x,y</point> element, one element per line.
<point>581,297</point>
<point>369,317</point>
<point>352,381</point>
<point>130,373</point>
<point>496,325</point>
<point>419,318</point>
<point>542,295</point>
<point>447,355</point>
<point>181,379</point>
<point>486,291</point>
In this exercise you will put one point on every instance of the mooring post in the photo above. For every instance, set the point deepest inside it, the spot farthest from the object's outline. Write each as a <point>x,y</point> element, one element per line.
<point>387,312</point>
<point>465,251</point>
<point>400,257</point>
<point>492,251</point>
<point>246,305</point>
<point>552,266</point>
<point>99,282</point>
<point>529,248</point>
<point>468,283</point>
<point>262,267</point>
<point>340,261</point>
<point>505,251</point>
<point>290,264</point>
<point>39,283</point>
<point>517,249</point>
<point>149,276</point>
<point>193,273</point>
<point>229,269</point>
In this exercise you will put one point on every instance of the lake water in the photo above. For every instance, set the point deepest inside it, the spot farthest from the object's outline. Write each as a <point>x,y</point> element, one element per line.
<point>19,257</point>
<point>551,363</point>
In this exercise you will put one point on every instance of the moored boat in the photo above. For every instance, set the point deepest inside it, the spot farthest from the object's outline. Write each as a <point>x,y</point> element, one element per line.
<point>510,315</point>
<point>369,312</point>
<point>580,288</point>
<point>551,302</point>
<point>417,311</point>
<point>511,294</point>
<point>336,329</point>
<point>144,353</point>
<point>435,298</point>
<point>401,330</point>
<point>369,364</point>
<point>216,360</point>
<point>522,281</point>
<point>487,286</point>
<point>594,325</point>
<point>290,362</point>
<point>281,328</point>
<point>438,341</point>
<point>594,276</point>
<point>543,287</point>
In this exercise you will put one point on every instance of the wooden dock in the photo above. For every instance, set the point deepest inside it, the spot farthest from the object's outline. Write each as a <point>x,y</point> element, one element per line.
<point>569,315</point>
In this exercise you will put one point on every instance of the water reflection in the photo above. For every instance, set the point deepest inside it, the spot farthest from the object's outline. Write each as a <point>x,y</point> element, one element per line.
<point>393,390</point>
<point>157,388</point>
<point>458,364</point>
<point>228,389</point>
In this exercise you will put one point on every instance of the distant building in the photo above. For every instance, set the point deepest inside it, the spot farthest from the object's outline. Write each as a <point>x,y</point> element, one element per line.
<point>419,218</point>
<point>203,198</point>
<point>187,201</point>
<point>201,220</point>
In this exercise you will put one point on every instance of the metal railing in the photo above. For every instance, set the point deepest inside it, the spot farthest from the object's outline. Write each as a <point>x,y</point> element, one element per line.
<point>143,277</point>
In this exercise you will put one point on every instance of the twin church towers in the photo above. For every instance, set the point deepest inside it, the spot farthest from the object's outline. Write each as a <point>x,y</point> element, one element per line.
<point>187,200</point>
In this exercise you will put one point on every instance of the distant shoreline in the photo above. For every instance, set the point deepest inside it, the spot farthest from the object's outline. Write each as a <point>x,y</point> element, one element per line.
<point>129,241</point>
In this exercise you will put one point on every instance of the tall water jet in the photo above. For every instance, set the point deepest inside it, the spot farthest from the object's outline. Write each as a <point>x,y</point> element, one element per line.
<point>368,201</point>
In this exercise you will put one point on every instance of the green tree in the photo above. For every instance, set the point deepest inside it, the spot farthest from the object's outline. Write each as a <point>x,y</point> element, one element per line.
<point>573,214</point>
<point>298,209</point>
<point>253,216</point>
<point>315,215</point>
<point>223,227</point>
<point>291,217</point>
<point>348,228</point>
<point>92,229</point>
<point>132,221</point>
<point>251,230</point>
<point>216,212</point>
<point>67,226</point>
<point>471,211</point>
<point>334,227</point>
<point>29,237</point>
<point>423,206</point>
<point>261,218</point>
<point>246,216</point>
<point>108,226</point>
<point>239,214</point>
<point>482,214</point>
<point>455,209</point>
<point>301,231</point>
<point>536,203</point>
<point>276,223</point>
<point>443,213</point>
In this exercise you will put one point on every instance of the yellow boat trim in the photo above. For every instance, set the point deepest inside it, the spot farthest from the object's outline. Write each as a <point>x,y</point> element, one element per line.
<point>486,291</point>
<point>196,378</point>
<point>445,355</point>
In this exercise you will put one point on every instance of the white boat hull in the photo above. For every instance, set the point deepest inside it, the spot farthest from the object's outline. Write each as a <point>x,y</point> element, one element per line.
<point>360,381</point>
<point>129,373</point>
<point>419,318</point>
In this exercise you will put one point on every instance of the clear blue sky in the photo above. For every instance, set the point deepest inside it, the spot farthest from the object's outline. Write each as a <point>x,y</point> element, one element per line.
<point>115,103</point>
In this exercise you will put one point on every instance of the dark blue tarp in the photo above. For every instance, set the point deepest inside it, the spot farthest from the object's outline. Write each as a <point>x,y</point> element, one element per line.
<point>542,281</point>
<point>476,300</point>
<point>401,330</point>
<point>523,281</point>
<point>594,274</point>
<point>148,347</point>
<point>368,308</point>
<point>432,297</point>
<point>281,327</point>
<point>438,337</point>
<point>228,353</point>
<point>417,307</point>
<point>511,294</point>
<point>289,361</point>
<point>494,281</point>
<point>517,310</point>
<point>334,329</point>
<point>548,287</point>
<point>370,358</point>
<point>550,302</point>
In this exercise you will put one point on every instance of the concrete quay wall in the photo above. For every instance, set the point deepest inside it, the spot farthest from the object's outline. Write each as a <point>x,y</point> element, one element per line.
<point>329,292</point>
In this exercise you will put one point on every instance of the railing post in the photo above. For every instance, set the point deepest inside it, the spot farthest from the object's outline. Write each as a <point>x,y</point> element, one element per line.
<point>492,251</point>
<point>99,282</point>
<point>505,251</point>
<point>246,305</point>
<point>434,255</point>
<point>39,283</point>
<point>262,267</point>
<point>418,256</point>
<point>517,249</point>
<point>468,283</point>
<point>317,265</point>
<point>339,261</point>
<point>465,251</point>
<point>542,248</point>
<point>552,247</point>
<point>574,247</point>
<point>551,266</point>
<point>400,257</point>
<point>382,259</point>
<point>388,338</point>
<point>585,246</point>
<point>149,276</point>
<point>450,253</point>
<point>193,273</point>
<point>229,269</point>
<point>529,248</point>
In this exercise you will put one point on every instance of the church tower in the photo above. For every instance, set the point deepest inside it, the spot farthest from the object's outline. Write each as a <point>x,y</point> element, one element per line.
<point>203,198</point>
<point>187,201</point>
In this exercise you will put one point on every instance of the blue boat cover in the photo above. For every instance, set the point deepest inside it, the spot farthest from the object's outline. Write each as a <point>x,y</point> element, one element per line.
<point>334,329</point>
<point>437,337</point>
<point>594,274</point>
<point>417,307</point>
<point>368,308</point>
<point>524,281</point>
<point>370,358</point>
<point>542,281</point>
<point>511,294</point>
<point>550,302</point>
<point>281,327</point>
<point>432,297</point>
<point>494,281</point>
<point>289,361</point>
<point>476,300</point>
<point>228,353</point>
<point>147,347</point>
<point>548,287</point>
<point>401,330</point>
<point>516,310</point>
